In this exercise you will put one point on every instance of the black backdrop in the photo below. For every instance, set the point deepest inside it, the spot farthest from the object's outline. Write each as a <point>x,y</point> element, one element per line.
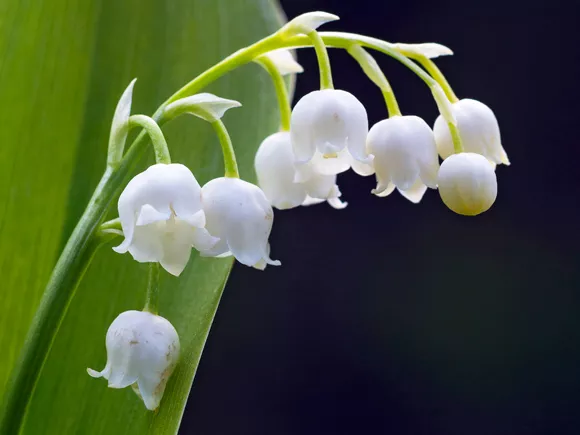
<point>395,318</point>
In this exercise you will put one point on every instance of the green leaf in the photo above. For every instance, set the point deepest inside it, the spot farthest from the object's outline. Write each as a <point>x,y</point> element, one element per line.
<point>63,66</point>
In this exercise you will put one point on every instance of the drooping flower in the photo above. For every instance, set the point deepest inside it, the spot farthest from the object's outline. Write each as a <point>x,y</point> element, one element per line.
<point>240,215</point>
<point>467,183</point>
<point>478,129</point>
<point>405,156</point>
<point>282,185</point>
<point>325,123</point>
<point>162,217</point>
<point>142,351</point>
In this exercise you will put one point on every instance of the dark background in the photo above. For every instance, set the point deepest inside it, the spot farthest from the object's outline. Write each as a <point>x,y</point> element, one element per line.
<point>394,318</point>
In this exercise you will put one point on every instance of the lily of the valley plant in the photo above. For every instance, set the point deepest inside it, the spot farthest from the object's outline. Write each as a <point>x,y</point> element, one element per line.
<point>166,216</point>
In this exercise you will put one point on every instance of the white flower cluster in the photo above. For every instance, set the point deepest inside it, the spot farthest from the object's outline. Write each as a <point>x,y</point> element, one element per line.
<point>164,212</point>
<point>329,134</point>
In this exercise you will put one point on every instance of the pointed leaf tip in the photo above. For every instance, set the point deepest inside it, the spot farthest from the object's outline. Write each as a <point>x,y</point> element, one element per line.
<point>308,22</point>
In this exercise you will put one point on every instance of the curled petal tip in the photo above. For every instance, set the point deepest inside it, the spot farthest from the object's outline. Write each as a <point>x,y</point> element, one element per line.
<point>337,204</point>
<point>381,191</point>
<point>94,374</point>
<point>504,158</point>
<point>123,247</point>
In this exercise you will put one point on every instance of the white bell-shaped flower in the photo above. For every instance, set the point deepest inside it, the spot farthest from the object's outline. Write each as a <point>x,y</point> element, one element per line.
<point>240,215</point>
<point>478,129</point>
<point>405,156</point>
<point>162,217</point>
<point>467,183</point>
<point>277,177</point>
<point>325,123</point>
<point>142,351</point>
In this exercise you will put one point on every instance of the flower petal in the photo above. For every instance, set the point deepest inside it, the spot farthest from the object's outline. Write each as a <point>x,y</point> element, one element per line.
<point>202,240</point>
<point>147,245</point>
<point>312,201</point>
<point>196,220</point>
<point>149,215</point>
<point>274,164</point>
<point>336,203</point>
<point>415,193</point>
<point>363,169</point>
<point>383,190</point>
<point>325,165</point>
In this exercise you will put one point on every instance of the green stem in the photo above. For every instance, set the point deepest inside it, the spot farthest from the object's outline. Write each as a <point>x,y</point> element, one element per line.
<point>231,62</point>
<point>63,283</point>
<point>230,163</point>
<point>436,73</point>
<point>345,40</point>
<point>155,134</point>
<point>70,268</point>
<point>152,295</point>
<point>323,60</point>
<point>457,143</point>
<point>377,76</point>
<point>281,92</point>
<point>113,224</point>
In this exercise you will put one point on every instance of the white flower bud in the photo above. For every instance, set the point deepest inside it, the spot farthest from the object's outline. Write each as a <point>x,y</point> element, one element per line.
<point>405,156</point>
<point>478,129</point>
<point>467,183</point>
<point>162,217</point>
<point>328,122</point>
<point>239,214</point>
<point>142,351</point>
<point>278,178</point>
